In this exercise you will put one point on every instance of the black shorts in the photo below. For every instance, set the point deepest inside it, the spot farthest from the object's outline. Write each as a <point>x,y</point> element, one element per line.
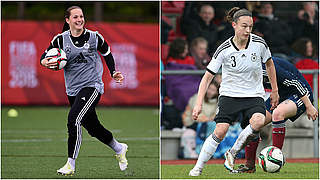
<point>232,109</point>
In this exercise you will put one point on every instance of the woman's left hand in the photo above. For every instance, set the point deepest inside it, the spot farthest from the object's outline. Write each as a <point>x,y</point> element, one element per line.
<point>118,77</point>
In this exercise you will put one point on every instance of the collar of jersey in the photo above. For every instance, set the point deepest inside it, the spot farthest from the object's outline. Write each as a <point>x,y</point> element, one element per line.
<point>83,33</point>
<point>236,46</point>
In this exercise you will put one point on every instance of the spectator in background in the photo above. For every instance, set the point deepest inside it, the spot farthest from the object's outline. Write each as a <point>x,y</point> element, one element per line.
<point>198,51</point>
<point>209,107</point>
<point>203,26</point>
<point>303,49</point>
<point>276,32</point>
<point>208,113</point>
<point>178,52</point>
<point>306,24</point>
<point>179,88</point>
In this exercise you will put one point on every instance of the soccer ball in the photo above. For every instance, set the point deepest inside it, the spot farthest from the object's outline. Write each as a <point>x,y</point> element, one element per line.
<point>271,159</point>
<point>57,55</point>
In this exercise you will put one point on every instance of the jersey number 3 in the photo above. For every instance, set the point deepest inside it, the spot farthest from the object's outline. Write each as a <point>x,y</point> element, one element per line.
<point>233,63</point>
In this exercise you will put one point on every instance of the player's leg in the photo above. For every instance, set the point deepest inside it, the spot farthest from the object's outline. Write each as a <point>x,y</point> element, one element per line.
<point>226,113</point>
<point>209,147</point>
<point>84,102</point>
<point>284,110</point>
<point>246,135</point>
<point>96,129</point>
<point>251,150</point>
<point>255,113</point>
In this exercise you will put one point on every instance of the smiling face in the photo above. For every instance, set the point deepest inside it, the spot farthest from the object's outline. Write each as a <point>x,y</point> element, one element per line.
<point>243,27</point>
<point>76,20</point>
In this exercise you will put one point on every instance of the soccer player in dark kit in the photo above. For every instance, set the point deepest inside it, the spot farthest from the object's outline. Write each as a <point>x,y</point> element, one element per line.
<point>84,86</point>
<point>295,98</point>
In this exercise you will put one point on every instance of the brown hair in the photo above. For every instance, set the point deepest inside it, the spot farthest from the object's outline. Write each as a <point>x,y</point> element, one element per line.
<point>300,47</point>
<point>215,83</point>
<point>235,13</point>
<point>67,14</point>
<point>177,47</point>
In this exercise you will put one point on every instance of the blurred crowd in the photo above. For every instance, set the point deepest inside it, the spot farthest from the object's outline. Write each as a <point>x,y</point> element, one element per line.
<point>190,34</point>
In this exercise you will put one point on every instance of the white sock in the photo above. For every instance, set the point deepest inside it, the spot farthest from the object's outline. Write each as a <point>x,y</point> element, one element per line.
<point>72,162</point>
<point>241,140</point>
<point>115,145</point>
<point>208,149</point>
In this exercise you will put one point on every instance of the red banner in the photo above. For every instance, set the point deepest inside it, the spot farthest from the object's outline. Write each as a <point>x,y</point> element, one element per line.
<point>24,81</point>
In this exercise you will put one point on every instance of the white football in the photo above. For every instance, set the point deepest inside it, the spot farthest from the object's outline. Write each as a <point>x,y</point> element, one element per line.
<point>271,159</point>
<point>57,55</point>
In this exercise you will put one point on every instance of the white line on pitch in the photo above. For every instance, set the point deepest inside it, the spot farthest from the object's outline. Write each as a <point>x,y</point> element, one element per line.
<point>44,131</point>
<point>25,140</point>
<point>85,139</point>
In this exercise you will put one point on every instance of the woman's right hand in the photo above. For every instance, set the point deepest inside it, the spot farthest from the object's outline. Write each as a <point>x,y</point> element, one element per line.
<point>50,65</point>
<point>196,111</point>
<point>118,77</point>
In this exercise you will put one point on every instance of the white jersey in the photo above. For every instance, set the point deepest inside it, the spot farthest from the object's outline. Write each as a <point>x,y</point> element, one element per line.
<point>241,69</point>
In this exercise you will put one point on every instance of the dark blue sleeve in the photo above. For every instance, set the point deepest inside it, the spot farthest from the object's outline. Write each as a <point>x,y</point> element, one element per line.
<point>290,81</point>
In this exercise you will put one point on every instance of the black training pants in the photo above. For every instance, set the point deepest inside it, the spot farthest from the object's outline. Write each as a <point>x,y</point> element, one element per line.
<point>83,113</point>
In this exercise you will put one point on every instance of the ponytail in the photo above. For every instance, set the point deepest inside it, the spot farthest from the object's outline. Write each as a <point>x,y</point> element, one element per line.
<point>231,12</point>
<point>66,27</point>
<point>235,13</point>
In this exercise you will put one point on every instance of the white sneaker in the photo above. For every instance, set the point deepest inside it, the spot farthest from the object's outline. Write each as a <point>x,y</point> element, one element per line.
<point>121,157</point>
<point>66,170</point>
<point>229,162</point>
<point>195,172</point>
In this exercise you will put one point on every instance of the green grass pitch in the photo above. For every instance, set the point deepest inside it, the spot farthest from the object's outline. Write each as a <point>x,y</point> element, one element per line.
<point>34,144</point>
<point>217,171</point>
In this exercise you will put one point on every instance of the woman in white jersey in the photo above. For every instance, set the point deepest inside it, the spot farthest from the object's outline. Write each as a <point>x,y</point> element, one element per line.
<point>241,90</point>
<point>84,86</point>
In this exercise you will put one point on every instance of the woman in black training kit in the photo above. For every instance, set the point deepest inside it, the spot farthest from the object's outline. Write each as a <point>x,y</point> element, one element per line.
<point>84,86</point>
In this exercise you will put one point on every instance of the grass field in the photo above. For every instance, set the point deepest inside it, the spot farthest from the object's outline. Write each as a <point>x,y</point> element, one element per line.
<point>34,144</point>
<point>217,171</point>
